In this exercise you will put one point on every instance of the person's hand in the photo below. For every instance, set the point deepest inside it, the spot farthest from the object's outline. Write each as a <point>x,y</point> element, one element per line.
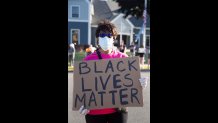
<point>83,111</point>
<point>143,82</point>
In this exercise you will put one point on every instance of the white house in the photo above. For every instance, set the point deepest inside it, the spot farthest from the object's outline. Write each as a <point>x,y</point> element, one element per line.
<point>84,15</point>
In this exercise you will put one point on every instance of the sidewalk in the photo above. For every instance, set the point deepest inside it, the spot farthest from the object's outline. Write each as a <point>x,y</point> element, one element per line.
<point>142,67</point>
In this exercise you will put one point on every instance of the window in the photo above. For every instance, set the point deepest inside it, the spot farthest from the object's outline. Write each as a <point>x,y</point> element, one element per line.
<point>75,11</point>
<point>75,36</point>
<point>147,41</point>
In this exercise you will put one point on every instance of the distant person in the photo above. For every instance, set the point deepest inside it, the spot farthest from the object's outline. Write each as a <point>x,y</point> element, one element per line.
<point>136,48</point>
<point>122,47</point>
<point>71,53</point>
<point>132,49</point>
<point>115,47</point>
<point>90,50</point>
<point>141,53</point>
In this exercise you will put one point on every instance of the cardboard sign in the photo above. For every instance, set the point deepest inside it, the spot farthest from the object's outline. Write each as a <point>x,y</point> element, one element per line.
<point>107,83</point>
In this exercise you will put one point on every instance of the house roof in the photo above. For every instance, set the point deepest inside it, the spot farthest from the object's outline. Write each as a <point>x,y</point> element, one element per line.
<point>113,6</point>
<point>109,10</point>
<point>101,11</point>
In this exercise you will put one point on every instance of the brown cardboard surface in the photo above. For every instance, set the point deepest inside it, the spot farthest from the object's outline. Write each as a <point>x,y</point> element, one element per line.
<point>107,83</point>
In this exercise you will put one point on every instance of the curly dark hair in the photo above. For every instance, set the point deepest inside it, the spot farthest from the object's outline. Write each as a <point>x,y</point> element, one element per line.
<point>106,26</point>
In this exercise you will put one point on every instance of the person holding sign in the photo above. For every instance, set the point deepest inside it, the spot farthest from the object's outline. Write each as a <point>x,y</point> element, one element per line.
<point>106,34</point>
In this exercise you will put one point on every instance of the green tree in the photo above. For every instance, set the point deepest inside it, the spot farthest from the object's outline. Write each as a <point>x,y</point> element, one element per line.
<point>133,7</point>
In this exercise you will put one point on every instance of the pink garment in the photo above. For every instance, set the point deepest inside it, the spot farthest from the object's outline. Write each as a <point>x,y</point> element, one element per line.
<point>113,54</point>
<point>94,56</point>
